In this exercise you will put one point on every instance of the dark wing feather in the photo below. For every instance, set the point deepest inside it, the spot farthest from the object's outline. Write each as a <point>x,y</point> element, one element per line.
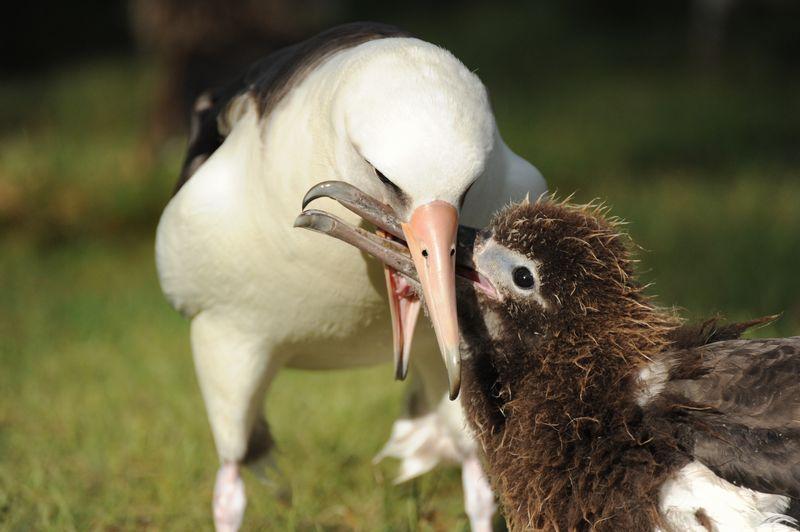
<point>267,81</point>
<point>713,330</point>
<point>741,399</point>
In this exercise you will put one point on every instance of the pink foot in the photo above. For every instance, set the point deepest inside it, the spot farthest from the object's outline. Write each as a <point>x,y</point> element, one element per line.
<point>229,498</point>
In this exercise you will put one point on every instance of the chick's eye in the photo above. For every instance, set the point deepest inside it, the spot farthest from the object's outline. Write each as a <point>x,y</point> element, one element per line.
<point>523,277</point>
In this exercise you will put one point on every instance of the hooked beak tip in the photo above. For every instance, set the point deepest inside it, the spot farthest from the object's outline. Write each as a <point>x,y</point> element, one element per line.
<point>302,220</point>
<point>452,361</point>
<point>318,191</point>
<point>455,388</point>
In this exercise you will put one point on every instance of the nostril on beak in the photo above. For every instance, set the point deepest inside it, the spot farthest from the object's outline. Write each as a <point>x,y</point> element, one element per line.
<point>452,251</point>
<point>425,253</point>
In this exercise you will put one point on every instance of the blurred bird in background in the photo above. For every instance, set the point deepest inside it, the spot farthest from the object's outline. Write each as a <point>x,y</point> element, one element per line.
<point>206,43</point>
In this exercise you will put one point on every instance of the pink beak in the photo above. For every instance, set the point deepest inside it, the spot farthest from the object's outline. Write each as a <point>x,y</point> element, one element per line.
<point>431,238</point>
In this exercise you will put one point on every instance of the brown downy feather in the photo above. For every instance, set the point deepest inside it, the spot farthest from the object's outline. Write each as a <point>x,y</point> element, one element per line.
<point>550,393</point>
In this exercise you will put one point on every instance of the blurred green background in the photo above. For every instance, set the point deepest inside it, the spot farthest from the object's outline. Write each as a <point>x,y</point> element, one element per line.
<point>684,116</point>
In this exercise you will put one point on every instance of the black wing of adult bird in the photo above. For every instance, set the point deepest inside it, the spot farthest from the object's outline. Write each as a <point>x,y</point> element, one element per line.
<point>268,79</point>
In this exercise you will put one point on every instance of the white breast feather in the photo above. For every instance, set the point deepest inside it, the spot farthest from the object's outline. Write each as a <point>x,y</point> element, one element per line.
<point>652,379</point>
<point>729,507</point>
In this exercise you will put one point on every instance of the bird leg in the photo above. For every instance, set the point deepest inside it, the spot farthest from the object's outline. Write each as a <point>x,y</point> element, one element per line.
<point>478,495</point>
<point>229,498</point>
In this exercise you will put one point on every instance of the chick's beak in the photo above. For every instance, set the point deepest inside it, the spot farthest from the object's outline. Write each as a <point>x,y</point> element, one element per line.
<point>431,237</point>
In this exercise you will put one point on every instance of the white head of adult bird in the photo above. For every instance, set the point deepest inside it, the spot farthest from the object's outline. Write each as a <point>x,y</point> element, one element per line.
<point>417,138</point>
<point>367,104</point>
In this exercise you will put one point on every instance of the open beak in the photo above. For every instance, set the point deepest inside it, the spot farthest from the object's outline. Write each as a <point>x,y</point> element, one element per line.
<point>431,238</point>
<point>427,265</point>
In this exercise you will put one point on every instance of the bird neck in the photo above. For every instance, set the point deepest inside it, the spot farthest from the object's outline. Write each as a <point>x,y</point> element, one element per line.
<point>556,415</point>
<point>306,138</point>
<point>573,366</point>
<point>296,142</point>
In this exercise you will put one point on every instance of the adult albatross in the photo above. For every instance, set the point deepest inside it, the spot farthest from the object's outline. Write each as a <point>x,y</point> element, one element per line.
<point>404,121</point>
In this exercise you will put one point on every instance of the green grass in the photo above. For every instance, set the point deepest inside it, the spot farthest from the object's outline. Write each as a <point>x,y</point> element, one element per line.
<point>102,425</point>
<point>101,421</point>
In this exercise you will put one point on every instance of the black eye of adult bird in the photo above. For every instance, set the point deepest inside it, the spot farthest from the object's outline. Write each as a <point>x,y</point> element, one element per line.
<point>523,277</point>
<point>385,180</point>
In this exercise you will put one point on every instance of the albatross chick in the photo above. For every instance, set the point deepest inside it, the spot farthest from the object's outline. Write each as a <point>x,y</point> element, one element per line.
<point>597,410</point>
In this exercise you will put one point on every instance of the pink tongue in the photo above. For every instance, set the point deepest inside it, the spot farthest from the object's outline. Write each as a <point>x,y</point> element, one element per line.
<point>404,307</point>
